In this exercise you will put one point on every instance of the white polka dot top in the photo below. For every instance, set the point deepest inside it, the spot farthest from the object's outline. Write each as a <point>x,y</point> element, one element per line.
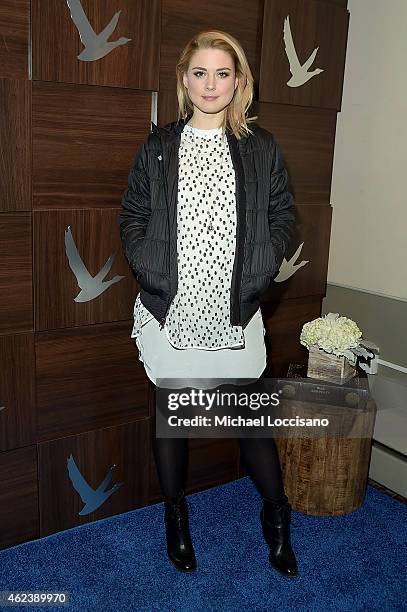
<point>199,315</point>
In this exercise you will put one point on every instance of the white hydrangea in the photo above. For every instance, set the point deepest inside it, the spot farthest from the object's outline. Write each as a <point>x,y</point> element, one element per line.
<point>333,334</point>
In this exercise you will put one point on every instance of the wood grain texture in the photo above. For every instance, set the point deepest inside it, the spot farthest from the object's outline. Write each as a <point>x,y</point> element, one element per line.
<point>327,475</point>
<point>14,38</point>
<point>18,496</point>
<point>306,137</point>
<point>96,237</point>
<point>15,149</point>
<point>313,24</point>
<point>88,378</point>
<point>312,231</point>
<point>94,453</point>
<point>329,367</point>
<point>167,106</point>
<point>56,43</point>
<point>17,397</point>
<point>84,142</point>
<point>181,20</point>
<point>16,305</point>
<point>283,321</point>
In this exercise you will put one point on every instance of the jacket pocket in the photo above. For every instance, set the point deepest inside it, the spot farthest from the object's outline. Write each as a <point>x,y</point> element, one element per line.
<point>253,286</point>
<point>151,265</point>
<point>154,283</point>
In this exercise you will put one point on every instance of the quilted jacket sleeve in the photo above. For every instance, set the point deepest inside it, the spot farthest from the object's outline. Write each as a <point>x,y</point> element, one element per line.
<point>281,207</point>
<point>136,207</point>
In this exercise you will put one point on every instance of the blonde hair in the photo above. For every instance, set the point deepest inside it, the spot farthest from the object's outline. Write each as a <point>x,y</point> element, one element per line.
<point>235,114</point>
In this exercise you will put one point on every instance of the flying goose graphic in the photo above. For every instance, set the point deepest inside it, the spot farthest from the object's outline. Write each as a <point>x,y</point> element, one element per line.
<point>96,45</point>
<point>91,286</point>
<point>92,498</point>
<point>300,74</point>
<point>289,268</point>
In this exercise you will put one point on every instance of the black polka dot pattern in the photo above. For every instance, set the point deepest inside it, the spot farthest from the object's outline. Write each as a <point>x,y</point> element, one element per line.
<point>199,316</point>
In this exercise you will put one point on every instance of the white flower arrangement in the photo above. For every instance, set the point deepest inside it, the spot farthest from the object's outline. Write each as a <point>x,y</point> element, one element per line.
<point>334,334</point>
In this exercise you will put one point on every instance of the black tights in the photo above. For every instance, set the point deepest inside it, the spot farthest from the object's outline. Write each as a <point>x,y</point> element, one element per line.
<point>259,455</point>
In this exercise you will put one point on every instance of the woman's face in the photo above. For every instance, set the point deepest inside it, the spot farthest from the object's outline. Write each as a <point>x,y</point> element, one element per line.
<point>211,72</point>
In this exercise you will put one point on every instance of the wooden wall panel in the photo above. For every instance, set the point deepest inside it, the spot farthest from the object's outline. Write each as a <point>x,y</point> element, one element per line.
<point>57,44</point>
<point>312,24</point>
<point>18,496</point>
<point>71,249</point>
<point>15,273</point>
<point>14,38</point>
<point>167,107</point>
<point>296,278</point>
<point>84,142</point>
<point>182,19</point>
<point>17,406</point>
<point>88,378</point>
<point>90,455</point>
<point>15,139</point>
<point>306,137</point>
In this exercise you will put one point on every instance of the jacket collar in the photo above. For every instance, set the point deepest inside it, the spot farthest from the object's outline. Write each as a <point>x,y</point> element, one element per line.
<point>175,128</point>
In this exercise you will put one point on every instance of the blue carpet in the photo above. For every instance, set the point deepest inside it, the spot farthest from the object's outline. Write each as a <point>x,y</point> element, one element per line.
<point>355,562</point>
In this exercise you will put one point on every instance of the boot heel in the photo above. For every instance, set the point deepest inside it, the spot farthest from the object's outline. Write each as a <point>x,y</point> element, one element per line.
<point>179,544</point>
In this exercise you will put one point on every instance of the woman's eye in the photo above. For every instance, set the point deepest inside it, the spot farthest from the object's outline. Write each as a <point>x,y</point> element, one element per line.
<point>197,74</point>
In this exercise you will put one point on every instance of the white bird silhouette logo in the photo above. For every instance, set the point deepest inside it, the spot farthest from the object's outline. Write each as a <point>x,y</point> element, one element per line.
<point>300,74</point>
<point>91,286</point>
<point>289,268</point>
<point>96,45</point>
<point>92,498</point>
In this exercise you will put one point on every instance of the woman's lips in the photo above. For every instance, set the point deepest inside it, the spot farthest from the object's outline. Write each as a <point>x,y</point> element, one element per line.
<point>210,97</point>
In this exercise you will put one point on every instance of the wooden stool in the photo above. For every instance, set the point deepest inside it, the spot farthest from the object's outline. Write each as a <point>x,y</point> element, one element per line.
<point>327,476</point>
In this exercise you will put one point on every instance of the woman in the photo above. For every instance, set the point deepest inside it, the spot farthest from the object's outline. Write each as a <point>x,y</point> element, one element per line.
<point>205,223</point>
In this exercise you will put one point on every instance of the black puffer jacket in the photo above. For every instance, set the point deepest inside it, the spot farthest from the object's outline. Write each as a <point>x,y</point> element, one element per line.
<point>264,224</point>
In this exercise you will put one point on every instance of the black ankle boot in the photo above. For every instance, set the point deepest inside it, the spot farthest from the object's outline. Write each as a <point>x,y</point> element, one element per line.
<point>179,544</point>
<point>275,520</point>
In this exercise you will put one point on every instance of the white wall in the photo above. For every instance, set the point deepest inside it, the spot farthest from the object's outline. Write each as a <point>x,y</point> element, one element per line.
<point>369,181</point>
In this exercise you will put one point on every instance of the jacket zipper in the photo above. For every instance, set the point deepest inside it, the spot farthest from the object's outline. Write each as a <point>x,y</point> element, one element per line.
<point>169,241</point>
<point>162,323</point>
<point>239,252</point>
